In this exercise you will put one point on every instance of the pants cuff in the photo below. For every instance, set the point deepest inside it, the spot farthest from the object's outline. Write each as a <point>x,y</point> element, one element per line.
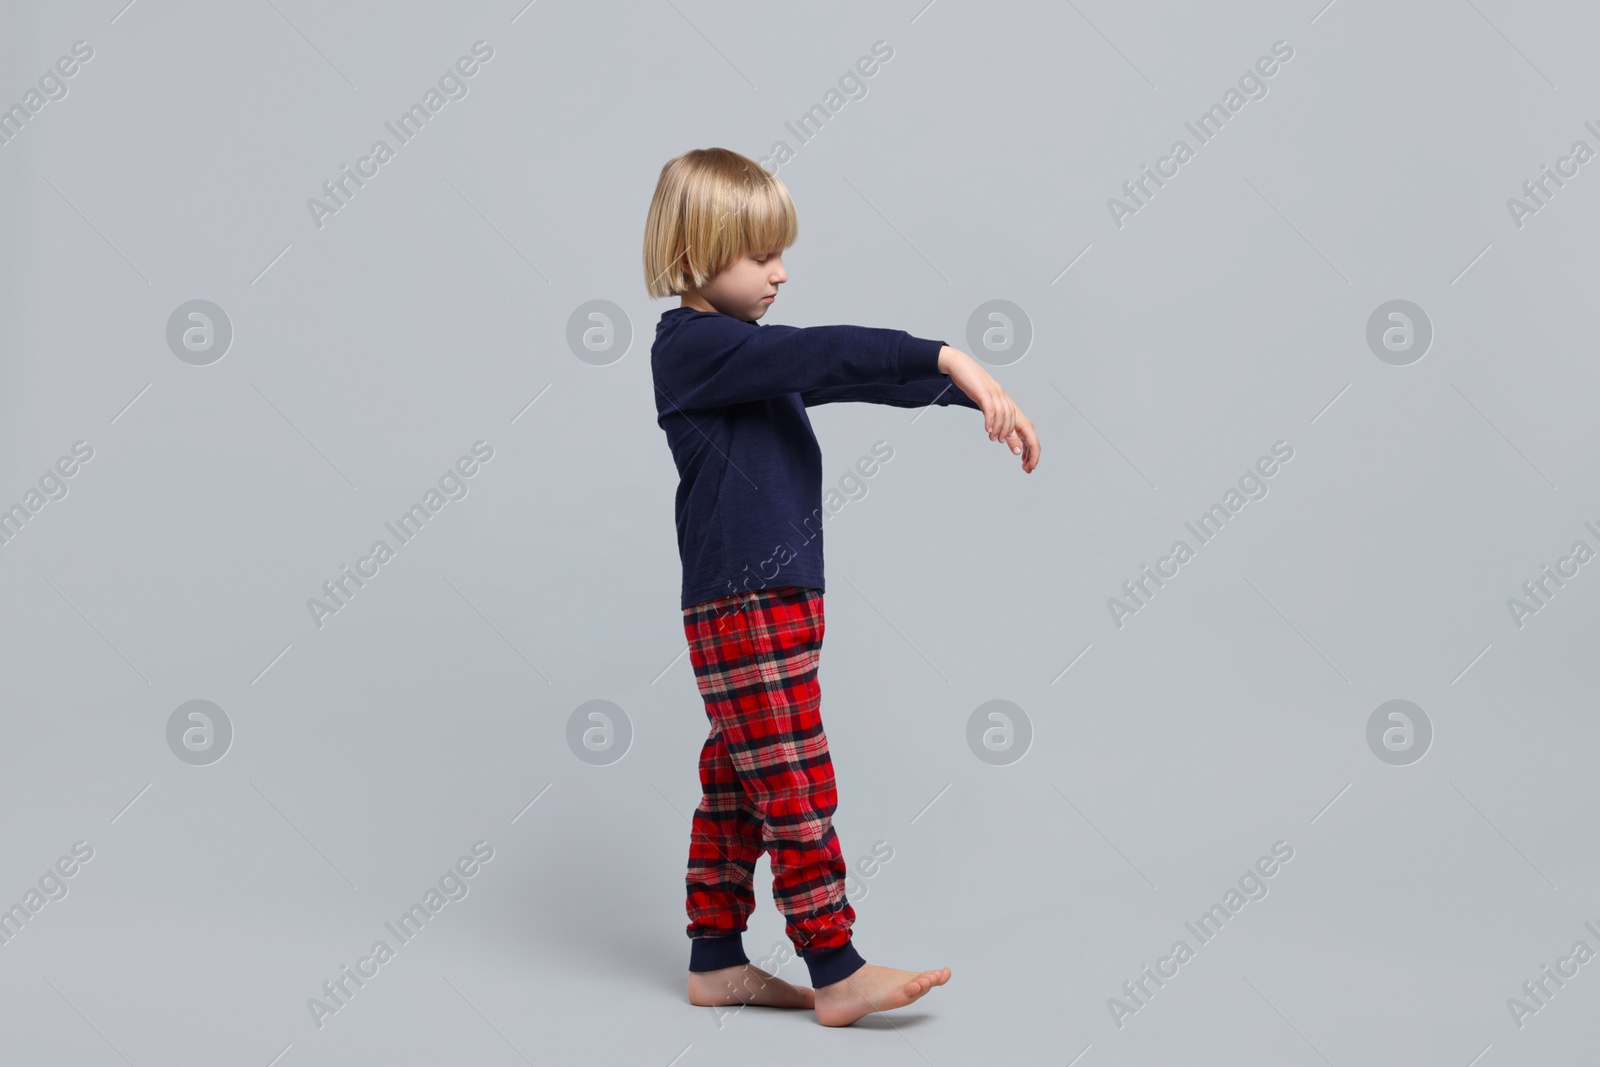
<point>834,964</point>
<point>715,953</point>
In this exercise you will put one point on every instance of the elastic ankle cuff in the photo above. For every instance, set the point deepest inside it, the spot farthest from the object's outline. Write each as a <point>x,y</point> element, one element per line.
<point>834,964</point>
<point>715,953</point>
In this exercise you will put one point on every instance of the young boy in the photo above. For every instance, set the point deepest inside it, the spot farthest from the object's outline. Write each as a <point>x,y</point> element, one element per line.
<point>731,396</point>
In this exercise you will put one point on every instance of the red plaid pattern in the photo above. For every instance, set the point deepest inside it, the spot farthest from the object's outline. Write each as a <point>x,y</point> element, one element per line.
<point>766,776</point>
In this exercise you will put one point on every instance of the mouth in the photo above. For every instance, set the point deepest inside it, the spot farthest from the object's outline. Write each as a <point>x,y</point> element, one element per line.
<point>769,299</point>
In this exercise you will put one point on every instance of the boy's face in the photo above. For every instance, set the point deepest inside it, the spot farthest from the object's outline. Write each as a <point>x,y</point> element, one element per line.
<point>744,289</point>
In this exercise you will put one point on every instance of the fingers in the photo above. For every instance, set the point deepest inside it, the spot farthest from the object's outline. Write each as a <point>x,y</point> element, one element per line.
<point>1006,423</point>
<point>1030,455</point>
<point>994,414</point>
<point>999,411</point>
<point>1024,442</point>
<point>1009,423</point>
<point>999,416</point>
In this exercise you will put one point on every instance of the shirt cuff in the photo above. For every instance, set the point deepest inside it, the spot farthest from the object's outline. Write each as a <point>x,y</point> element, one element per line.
<point>919,358</point>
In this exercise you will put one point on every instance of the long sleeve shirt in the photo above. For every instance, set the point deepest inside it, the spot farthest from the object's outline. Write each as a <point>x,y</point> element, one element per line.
<point>731,397</point>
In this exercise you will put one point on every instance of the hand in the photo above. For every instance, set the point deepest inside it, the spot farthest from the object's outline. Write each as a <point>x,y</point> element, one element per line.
<point>1002,419</point>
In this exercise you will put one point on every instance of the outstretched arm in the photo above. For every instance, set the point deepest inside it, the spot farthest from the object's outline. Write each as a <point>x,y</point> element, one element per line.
<point>715,361</point>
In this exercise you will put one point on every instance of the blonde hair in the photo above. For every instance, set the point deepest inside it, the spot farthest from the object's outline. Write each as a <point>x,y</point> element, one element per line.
<point>712,206</point>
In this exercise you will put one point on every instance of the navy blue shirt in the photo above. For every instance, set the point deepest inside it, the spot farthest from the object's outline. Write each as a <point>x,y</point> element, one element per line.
<point>731,397</point>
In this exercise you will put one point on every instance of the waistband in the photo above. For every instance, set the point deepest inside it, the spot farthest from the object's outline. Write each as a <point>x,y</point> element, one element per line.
<point>754,599</point>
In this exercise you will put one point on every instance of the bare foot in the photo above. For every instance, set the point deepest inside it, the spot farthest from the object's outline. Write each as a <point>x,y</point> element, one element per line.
<point>745,984</point>
<point>872,988</point>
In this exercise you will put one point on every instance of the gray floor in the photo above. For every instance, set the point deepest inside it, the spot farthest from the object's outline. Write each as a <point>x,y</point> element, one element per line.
<point>260,780</point>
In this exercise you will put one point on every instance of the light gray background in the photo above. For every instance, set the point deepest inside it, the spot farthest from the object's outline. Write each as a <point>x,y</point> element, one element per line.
<point>369,354</point>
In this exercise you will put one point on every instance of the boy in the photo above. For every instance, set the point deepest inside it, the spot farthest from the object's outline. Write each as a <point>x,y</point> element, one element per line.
<point>731,397</point>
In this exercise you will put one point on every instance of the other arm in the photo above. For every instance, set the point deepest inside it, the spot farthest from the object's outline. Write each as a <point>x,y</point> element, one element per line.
<point>920,393</point>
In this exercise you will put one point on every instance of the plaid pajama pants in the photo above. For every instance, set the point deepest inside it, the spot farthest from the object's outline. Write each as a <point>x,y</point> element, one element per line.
<point>767,783</point>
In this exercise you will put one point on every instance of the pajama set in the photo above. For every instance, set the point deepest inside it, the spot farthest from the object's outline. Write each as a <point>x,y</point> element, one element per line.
<point>731,397</point>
